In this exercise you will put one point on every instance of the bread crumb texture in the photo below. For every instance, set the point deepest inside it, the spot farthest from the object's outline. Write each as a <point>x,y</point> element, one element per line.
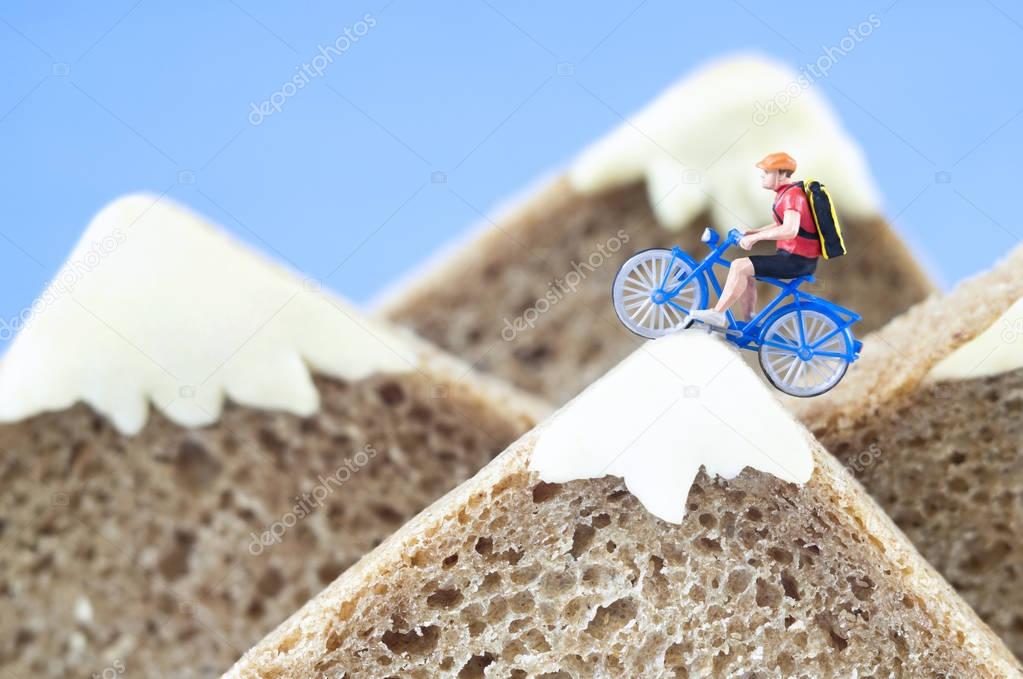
<point>169,553</point>
<point>944,462</point>
<point>520,578</point>
<point>540,317</point>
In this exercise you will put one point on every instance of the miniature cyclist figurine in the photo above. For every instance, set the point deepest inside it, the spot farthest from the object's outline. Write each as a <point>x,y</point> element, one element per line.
<point>804,342</point>
<point>795,231</point>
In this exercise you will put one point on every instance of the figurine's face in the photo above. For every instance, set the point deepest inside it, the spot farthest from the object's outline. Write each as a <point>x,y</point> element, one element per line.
<point>771,179</point>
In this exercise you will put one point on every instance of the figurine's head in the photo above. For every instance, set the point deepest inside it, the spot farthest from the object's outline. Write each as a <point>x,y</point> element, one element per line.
<point>777,169</point>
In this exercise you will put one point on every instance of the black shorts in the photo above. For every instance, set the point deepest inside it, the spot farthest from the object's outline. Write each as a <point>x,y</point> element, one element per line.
<point>783,264</point>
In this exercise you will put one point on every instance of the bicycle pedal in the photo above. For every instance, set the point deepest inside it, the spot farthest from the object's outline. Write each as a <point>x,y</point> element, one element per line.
<point>712,328</point>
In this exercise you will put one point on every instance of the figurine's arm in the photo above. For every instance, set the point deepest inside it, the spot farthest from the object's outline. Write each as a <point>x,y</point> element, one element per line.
<point>788,228</point>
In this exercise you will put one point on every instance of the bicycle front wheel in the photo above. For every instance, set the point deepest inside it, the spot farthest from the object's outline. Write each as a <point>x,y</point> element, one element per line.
<point>640,297</point>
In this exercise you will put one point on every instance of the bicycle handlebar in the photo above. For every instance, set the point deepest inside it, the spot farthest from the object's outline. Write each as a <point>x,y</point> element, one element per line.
<point>711,238</point>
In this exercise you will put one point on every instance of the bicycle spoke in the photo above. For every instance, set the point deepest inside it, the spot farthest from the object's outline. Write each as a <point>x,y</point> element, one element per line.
<point>651,307</point>
<point>786,332</point>
<point>792,332</point>
<point>828,336</point>
<point>835,343</point>
<point>811,332</point>
<point>799,372</point>
<point>666,314</point>
<point>835,363</point>
<point>636,315</point>
<point>637,277</point>
<point>783,363</point>
<point>808,325</point>
<point>781,338</point>
<point>676,315</point>
<point>817,369</point>
<point>788,373</point>
<point>635,288</point>
<point>823,330</point>
<point>773,347</point>
<point>635,280</point>
<point>648,273</point>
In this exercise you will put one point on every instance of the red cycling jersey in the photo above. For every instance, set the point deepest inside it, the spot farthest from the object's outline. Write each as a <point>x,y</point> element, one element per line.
<point>807,243</point>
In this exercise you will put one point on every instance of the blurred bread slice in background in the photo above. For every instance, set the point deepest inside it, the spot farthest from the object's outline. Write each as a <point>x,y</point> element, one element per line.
<point>196,441</point>
<point>527,298</point>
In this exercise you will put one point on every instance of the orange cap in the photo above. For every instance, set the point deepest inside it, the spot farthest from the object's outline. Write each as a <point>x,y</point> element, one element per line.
<point>778,161</point>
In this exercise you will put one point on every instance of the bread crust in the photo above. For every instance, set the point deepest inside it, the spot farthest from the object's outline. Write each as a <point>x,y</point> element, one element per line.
<point>386,586</point>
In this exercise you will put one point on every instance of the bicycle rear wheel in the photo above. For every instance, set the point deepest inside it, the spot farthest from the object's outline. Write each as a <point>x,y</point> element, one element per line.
<point>639,297</point>
<point>806,363</point>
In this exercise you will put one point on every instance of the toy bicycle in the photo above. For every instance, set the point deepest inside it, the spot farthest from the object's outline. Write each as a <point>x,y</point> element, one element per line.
<point>803,341</point>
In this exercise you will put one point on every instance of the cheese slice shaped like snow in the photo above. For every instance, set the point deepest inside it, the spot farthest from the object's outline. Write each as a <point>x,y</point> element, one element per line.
<point>155,305</point>
<point>678,403</point>
<point>696,146</point>
<point>997,350</point>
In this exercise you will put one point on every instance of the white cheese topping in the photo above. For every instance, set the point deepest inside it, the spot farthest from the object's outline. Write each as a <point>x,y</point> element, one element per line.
<point>696,145</point>
<point>678,403</point>
<point>997,350</point>
<point>156,305</point>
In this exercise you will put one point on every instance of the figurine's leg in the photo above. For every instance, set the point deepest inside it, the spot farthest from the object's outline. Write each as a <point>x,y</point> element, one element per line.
<point>739,275</point>
<point>749,301</point>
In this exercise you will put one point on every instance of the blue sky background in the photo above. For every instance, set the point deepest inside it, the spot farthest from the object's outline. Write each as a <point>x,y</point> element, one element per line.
<point>103,98</point>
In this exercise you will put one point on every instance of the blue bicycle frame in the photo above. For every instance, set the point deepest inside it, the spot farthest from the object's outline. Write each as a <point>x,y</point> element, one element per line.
<point>748,334</point>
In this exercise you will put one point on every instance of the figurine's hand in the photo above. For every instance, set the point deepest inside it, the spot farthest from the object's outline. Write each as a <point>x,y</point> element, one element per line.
<point>747,242</point>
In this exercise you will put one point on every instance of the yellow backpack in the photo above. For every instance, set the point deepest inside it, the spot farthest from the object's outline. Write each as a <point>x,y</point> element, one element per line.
<point>823,209</point>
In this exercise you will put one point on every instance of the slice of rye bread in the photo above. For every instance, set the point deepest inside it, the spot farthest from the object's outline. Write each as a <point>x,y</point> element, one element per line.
<point>942,457</point>
<point>508,576</point>
<point>169,549</point>
<point>172,551</point>
<point>506,273</point>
